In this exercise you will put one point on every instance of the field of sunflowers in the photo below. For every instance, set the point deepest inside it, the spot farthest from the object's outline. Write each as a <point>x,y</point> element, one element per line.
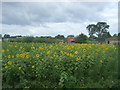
<point>41,65</point>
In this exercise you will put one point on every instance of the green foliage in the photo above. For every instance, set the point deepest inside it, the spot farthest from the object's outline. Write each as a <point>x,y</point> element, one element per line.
<point>29,39</point>
<point>59,36</point>
<point>45,40</point>
<point>82,38</point>
<point>6,36</point>
<point>58,65</point>
<point>91,29</point>
<point>91,38</point>
<point>100,30</point>
<point>104,36</point>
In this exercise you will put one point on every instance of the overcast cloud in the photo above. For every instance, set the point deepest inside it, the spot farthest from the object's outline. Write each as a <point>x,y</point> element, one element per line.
<point>50,18</point>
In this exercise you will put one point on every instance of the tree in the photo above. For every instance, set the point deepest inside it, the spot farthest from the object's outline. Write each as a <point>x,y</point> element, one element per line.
<point>81,38</point>
<point>6,36</point>
<point>91,29</point>
<point>91,38</point>
<point>99,29</point>
<point>114,35</point>
<point>28,39</point>
<point>18,36</point>
<point>59,36</point>
<point>104,36</point>
<point>118,34</point>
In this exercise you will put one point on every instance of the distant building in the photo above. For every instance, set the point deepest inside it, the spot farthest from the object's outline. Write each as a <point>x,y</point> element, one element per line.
<point>12,38</point>
<point>71,38</point>
<point>113,40</point>
<point>8,39</point>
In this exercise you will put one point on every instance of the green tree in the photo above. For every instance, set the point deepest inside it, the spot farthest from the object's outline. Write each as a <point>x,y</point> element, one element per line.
<point>91,29</point>
<point>91,38</point>
<point>28,39</point>
<point>99,29</point>
<point>6,36</point>
<point>118,34</point>
<point>114,35</point>
<point>59,36</point>
<point>81,38</point>
<point>104,36</point>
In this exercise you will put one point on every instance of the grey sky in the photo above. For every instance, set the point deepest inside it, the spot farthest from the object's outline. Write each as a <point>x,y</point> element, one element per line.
<point>50,18</point>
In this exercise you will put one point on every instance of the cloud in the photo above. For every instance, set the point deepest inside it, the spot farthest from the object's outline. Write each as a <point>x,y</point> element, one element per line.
<point>52,18</point>
<point>30,13</point>
<point>110,14</point>
<point>52,29</point>
<point>119,16</point>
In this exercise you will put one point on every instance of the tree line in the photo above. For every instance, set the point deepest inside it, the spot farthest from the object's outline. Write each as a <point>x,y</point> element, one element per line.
<point>97,32</point>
